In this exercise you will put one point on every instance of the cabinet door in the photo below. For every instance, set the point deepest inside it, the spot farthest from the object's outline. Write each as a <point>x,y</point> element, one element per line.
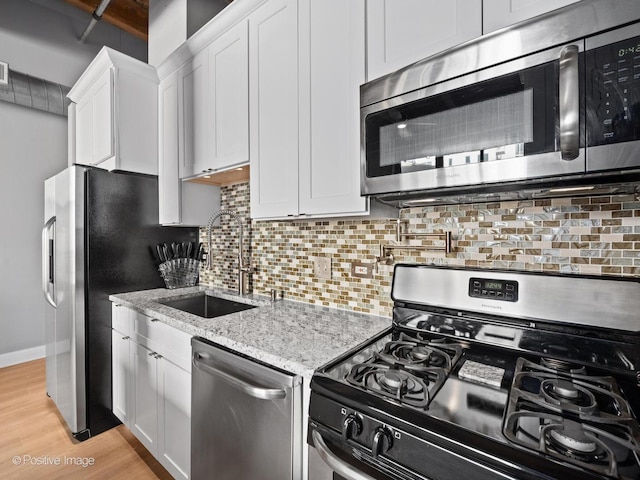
<point>273,95</point>
<point>229,93</point>
<point>174,418</point>
<point>192,105</point>
<point>144,404</point>
<point>121,368</point>
<point>168,151</point>
<point>332,68</point>
<point>401,32</point>
<point>501,13</point>
<point>94,122</point>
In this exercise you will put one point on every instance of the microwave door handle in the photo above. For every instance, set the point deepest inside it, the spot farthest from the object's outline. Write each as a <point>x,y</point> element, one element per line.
<point>47,261</point>
<point>569,103</point>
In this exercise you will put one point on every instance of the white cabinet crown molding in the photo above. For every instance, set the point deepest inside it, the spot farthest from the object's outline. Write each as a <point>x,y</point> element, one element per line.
<point>107,58</point>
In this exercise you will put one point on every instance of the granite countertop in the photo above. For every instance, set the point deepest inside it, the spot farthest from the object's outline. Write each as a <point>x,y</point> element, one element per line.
<point>295,337</point>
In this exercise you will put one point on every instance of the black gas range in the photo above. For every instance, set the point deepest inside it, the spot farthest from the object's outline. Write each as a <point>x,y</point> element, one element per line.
<point>488,374</point>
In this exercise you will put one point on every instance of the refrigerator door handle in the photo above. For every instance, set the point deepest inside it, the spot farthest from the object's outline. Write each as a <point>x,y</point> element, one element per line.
<point>47,261</point>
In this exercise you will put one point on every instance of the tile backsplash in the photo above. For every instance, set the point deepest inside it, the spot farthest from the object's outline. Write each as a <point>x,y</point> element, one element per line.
<point>586,235</point>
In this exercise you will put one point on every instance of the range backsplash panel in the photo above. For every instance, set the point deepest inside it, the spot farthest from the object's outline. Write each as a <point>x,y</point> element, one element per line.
<point>587,235</point>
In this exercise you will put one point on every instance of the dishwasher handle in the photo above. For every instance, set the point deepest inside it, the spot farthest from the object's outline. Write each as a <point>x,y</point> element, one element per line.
<point>248,388</point>
<point>332,460</point>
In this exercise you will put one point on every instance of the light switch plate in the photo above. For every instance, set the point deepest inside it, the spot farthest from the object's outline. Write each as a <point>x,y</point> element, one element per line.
<point>322,267</point>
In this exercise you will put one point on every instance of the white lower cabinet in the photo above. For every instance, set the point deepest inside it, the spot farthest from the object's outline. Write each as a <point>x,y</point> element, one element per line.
<point>121,354</point>
<point>174,418</point>
<point>152,386</point>
<point>144,411</point>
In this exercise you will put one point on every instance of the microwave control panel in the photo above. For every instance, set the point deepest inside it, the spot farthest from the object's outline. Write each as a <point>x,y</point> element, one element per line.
<point>613,92</point>
<point>505,290</point>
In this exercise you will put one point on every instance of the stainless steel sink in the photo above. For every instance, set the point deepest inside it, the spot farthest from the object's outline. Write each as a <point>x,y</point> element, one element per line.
<point>207,306</point>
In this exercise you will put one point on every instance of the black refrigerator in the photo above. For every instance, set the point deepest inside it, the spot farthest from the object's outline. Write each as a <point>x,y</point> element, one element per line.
<point>99,236</point>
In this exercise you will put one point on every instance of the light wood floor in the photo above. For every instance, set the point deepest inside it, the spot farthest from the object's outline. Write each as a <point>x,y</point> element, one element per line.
<point>32,430</point>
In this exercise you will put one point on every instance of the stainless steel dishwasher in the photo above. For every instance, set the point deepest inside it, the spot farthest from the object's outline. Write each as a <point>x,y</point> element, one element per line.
<point>246,417</point>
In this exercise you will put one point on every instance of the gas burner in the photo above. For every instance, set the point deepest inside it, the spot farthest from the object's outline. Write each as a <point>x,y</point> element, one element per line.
<point>415,356</point>
<point>561,392</point>
<point>401,385</point>
<point>397,383</point>
<point>572,440</point>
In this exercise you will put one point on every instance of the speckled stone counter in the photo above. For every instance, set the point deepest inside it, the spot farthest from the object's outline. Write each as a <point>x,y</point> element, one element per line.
<point>293,336</point>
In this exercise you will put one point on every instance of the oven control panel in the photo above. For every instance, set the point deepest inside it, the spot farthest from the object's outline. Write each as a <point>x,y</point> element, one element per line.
<point>505,290</point>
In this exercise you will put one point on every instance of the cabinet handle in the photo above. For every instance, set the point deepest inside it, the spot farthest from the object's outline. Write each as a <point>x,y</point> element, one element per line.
<point>155,319</point>
<point>125,338</point>
<point>152,353</point>
<point>158,356</point>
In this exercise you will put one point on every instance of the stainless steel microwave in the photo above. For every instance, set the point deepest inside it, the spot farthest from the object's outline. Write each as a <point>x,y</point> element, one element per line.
<point>550,102</point>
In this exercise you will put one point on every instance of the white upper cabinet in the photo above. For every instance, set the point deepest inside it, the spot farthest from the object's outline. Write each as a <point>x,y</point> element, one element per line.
<point>193,114</point>
<point>501,13</point>
<point>306,64</point>
<point>168,151</point>
<point>179,203</point>
<point>213,105</point>
<point>228,88</point>
<point>115,121</point>
<point>332,68</point>
<point>401,32</point>
<point>273,96</point>
<point>94,117</point>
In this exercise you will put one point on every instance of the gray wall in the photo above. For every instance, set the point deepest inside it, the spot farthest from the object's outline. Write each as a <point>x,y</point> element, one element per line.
<point>38,38</point>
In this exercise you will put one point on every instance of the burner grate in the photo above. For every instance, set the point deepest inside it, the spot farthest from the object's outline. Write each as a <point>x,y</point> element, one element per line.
<point>579,419</point>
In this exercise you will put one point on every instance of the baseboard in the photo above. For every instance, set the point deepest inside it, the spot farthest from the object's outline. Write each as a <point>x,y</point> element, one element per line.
<point>21,356</point>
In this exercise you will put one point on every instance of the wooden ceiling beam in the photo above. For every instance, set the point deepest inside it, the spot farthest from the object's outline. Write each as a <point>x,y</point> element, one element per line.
<point>128,15</point>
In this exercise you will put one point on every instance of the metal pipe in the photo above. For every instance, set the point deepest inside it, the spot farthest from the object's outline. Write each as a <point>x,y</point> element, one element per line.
<point>32,92</point>
<point>96,16</point>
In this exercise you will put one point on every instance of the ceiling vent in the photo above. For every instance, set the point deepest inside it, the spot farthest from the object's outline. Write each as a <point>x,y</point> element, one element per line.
<point>4,73</point>
<point>32,92</point>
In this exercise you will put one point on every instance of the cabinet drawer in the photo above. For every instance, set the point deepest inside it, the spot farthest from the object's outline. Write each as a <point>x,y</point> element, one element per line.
<point>121,320</point>
<point>165,340</point>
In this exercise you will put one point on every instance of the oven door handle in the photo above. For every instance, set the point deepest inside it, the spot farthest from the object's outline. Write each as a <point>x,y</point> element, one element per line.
<point>337,465</point>
<point>569,103</point>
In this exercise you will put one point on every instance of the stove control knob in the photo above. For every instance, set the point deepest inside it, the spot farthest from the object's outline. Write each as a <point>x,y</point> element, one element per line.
<point>382,441</point>
<point>351,426</point>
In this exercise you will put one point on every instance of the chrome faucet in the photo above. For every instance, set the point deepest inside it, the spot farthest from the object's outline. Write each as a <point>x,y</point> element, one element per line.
<point>244,266</point>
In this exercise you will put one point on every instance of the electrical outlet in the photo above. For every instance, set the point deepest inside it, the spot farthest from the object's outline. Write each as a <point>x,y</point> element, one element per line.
<point>322,267</point>
<point>361,270</point>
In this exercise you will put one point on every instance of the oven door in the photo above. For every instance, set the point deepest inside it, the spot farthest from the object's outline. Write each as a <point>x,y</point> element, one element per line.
<point>520,120</point>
